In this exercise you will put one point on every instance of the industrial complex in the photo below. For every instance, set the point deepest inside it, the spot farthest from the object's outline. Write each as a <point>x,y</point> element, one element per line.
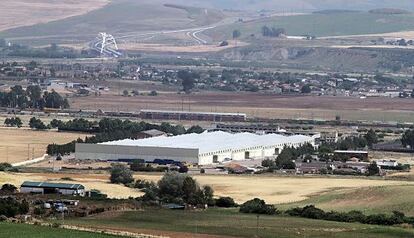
<point>202,149</point>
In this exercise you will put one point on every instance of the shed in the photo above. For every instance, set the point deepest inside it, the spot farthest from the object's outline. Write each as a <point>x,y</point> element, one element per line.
<point>52,188</point>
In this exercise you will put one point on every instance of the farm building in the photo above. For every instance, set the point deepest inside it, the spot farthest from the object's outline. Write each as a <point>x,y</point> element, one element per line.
<point>192,116</point>
<point>202,149</point>
<point>52,188</point>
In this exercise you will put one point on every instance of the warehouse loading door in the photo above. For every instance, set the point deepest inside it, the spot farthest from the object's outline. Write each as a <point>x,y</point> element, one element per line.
<point>247,155</point>
<point>215,159</point>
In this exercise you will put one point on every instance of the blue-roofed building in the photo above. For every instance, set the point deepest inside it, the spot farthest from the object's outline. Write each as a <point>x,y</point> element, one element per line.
<point>52,188</point>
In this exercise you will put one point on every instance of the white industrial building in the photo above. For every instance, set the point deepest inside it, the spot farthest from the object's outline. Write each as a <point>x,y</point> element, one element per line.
<point>202,149</point>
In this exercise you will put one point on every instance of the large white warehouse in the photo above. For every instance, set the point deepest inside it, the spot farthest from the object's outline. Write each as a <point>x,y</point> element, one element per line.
<point>202,149</point>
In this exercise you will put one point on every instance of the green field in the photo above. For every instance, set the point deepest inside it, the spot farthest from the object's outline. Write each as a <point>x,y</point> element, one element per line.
<point>369,200</point>
<point>338,24</point>
<point>8,230</point>
<point>232,223</point>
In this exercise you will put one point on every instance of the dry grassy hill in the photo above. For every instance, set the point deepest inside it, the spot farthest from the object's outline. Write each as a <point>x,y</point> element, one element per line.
<point>18,13</point>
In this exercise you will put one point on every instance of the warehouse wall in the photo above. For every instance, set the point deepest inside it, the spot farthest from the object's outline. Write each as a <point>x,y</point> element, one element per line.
<point>117,152</point>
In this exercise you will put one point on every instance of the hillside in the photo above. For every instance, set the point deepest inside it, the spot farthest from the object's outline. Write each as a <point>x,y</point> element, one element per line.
<point>326,23</point>
<point>118,17</point>
<point>18,13</point>
<point>300,5</point>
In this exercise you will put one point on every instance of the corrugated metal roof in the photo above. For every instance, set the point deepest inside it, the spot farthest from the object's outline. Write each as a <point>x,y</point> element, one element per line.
<point>52,185</point>
<point>214,141</point>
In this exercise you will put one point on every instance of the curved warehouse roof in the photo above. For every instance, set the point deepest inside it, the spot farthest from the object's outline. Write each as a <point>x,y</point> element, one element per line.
<point>214,141</point>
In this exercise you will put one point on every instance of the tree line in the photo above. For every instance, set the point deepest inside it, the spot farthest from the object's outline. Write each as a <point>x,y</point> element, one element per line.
<point>32,97</point>
<point>109,130</point>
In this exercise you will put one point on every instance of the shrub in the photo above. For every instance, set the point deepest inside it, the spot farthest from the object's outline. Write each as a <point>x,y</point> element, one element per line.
<point>257,206</point>
<point>8,188</point>
<point>5,166</point>
<point>121,174</point>
<point>225,202</point>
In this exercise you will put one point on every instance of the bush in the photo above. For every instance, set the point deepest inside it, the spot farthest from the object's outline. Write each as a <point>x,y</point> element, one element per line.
<point>225,202</point>
<point>39,211</point>
<point>258,206</point>
<point>8,188</point>
<point>121,174</point>
<point>5,166</point>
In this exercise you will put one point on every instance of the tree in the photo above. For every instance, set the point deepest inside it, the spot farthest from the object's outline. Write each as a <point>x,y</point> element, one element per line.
<point>408,139</point>
<point>371,137</point>
<point>8,188</point>
<point>14,121</point>
<point>257,206</point>
<point>55,100</point>
<point>236,34</point>
<point>306,89</point>
<point>285,159</point>
<point>121,174</point>
<point>153,93</point>
<point>195,129</point>
<point>35,123</point>
<point>373,169</point>
<point>225,202</point>
<point>188,79</point>
<point>125,93</point>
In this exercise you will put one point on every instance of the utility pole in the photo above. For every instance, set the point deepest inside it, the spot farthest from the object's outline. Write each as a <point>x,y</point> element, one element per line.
<point>257,225</point>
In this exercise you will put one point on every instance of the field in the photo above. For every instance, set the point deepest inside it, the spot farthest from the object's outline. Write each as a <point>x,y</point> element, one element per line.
<point>274,189</point>
<point>261,105</point>
<point>229,223</point>
<point>18,13</point>
<point>17,145</point>
<point>8,230</point>
<point>90,181</point>
<point>369,200</point>
<point>323,25</point>
<point>278,190</point>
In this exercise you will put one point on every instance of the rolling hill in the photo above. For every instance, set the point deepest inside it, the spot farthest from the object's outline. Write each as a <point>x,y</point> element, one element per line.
<point>119,17</point>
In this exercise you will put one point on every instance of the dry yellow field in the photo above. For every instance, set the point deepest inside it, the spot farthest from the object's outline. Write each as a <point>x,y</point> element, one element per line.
<point>16,13</point>
<point>18,145</point>
<point>273,189</point>
<point>277,190</point>
<point>93,181</point>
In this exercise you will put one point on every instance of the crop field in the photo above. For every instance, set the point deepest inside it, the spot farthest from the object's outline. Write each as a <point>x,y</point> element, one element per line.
<point>229,223</point>
<point>383,199</point>
<point>276,189</point>
<point>18,13</point>
<point>17,145</point>
<point>8,230</point>
<point>322,25</point>
<point>261,105</point>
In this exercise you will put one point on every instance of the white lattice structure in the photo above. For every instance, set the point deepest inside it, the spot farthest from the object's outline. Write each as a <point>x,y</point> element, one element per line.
<point>106,45</point>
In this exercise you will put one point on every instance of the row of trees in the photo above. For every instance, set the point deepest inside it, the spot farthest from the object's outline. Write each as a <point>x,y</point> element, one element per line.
<point>13,122</point>
<point>313,212</point>
<point>32,97</point>
<point>273,31</point>
<point>286,158</point>
<point>110,129</point>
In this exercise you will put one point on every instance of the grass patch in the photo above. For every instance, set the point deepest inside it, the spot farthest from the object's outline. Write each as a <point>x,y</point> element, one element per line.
<point>370,200</point>
<point>8,230</point>
<point>345,23</point>
<point>231,223</point>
